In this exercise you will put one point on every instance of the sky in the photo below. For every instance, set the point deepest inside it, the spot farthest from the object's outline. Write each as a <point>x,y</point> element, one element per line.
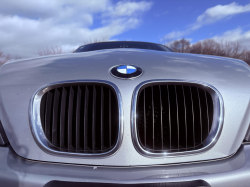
<point>27,27</point>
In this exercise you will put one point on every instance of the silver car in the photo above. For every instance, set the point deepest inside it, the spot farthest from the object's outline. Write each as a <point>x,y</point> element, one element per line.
<point>125,114</point>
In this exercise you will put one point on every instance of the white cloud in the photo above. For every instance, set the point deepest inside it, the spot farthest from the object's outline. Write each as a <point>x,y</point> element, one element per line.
<point>128,8</point>
<point>175,35</point>
<point>219,12</point>
<point>235,35</point>
<point>27,26</point>
<point>211,15</point>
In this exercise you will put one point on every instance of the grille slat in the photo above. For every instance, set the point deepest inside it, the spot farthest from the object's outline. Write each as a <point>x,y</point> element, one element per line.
<point>161,118</point>
<point>144,114</point>
<point>200,113</point>
<point>152,107</point>
<point>94,120</point>
<point>70,119</point>
<point>169,113</point>
<point>192,116</point>
<point>102,130</point>
<point>43,104</point>
<point>177,117</point>
<point>110,138</point>
<point>63,118</point>
<point>48,115</point>
<point>185,114</point>
<point>207,112</point>
<point>55,117</point>
<point>80,118</point>
<point>86,104</point>
<point>203,109</point>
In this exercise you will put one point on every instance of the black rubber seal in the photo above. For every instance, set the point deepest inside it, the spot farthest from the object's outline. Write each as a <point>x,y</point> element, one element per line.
<point>3,138</point>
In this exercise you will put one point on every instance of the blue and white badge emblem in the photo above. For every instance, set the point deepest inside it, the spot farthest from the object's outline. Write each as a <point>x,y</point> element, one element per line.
<point>126,71</point>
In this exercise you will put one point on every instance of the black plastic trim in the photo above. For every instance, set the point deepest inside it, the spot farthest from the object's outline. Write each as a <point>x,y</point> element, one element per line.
<point>195,183</point>
<point>3,138</point>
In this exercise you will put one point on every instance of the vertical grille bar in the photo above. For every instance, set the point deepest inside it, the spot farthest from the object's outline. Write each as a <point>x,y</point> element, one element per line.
<point>207,112</point>
<point>144,115</point>
<point>43,110</point>
<point>70,118</point>
<point>62,118</point>
<point>169,116</point>
<point>78,117</point>
<point>102,130</point>
<point>110,118</point>
<point>55,117</point>
<point>192,115</point>
<point>94,120</point>
<point>161,118</point>
<point>48,115</point>
<point>200,112</point>
<point>185,113</point>
<point>153,123</point>
<point>177,112</point>
<point>86,107</point>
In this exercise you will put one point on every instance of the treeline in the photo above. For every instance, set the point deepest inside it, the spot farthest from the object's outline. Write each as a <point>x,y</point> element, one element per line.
<point>54,50</point>
<point>51,51</point>
<point>211,47</point>
<point>207,47</point>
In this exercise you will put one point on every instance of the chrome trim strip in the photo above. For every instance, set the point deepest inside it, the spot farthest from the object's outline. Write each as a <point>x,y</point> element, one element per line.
<point>36,126</point>
<point>216,125</point>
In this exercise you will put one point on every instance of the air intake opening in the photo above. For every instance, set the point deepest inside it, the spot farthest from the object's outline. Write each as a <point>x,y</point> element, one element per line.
<point>174,117</point>
<point>80,117</point>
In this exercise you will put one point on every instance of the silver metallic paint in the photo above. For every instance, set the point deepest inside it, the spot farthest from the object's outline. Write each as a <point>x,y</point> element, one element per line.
<point>21,79</point>
<point>233,171</point>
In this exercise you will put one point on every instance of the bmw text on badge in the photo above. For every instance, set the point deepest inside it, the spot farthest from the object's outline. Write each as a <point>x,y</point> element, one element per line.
<point>126,71</point>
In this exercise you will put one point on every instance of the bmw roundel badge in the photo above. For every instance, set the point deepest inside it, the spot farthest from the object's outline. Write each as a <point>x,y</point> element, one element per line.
<point>126,71</point>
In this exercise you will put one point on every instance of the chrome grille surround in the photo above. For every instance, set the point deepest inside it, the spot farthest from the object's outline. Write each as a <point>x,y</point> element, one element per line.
<point>37,129</point>
<point>217,123</point>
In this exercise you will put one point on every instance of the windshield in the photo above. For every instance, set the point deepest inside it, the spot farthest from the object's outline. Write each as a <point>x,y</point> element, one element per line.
<point>114,45</point>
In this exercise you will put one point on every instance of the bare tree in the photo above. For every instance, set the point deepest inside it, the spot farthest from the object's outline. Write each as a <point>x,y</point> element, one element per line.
<point>210,47</point>
<point>54,50</point>
<point>181,46</point>
<point>246,57</point>
<point>51,51</point>
<point>95,40</point>
<point>232,49</point>
<point>3,58</point>
<point>196,48</point>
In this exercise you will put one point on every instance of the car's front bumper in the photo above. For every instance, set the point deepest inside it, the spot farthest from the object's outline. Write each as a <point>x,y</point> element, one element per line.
<point>230,172</point>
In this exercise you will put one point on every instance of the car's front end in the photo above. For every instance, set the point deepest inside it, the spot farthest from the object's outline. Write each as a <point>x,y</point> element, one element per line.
<point>81,119</point>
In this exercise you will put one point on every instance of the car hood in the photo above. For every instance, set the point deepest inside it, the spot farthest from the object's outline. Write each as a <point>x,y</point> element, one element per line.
<point>20,80</point>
